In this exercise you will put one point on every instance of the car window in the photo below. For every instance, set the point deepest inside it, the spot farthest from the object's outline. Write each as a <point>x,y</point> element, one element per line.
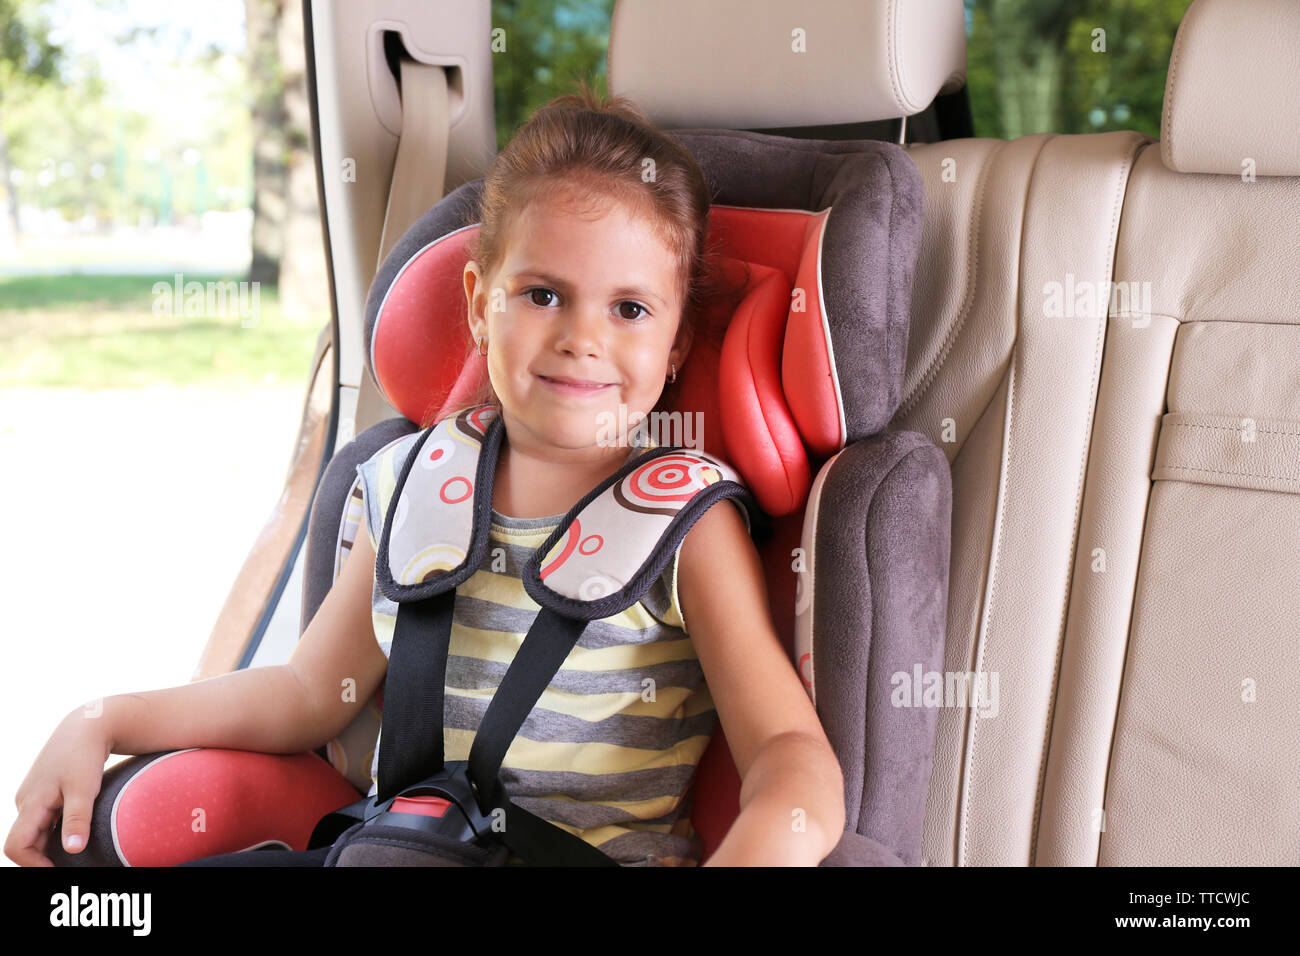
<point>1068,66</point>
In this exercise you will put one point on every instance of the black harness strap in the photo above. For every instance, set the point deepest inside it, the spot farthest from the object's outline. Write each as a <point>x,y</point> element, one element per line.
<point>548,642</point>
<point>409,748</point>
<point>539,842</point>
<point>411,734</point>
<point>539,658</point>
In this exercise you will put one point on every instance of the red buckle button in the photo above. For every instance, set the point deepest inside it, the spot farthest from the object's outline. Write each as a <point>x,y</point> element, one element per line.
<point>426,806</point>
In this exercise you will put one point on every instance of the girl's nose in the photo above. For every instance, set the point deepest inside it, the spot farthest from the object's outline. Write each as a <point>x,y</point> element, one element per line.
<point>581,333</point>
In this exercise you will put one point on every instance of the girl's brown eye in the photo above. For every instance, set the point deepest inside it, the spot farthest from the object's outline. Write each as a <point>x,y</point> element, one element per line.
<point>532,292</point>
<point>641,311</point>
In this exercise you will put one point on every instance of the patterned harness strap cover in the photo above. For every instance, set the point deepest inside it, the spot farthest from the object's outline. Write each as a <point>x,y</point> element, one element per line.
<point>602,557</point>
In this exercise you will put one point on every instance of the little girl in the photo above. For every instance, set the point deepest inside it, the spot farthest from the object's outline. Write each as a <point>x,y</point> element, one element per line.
<point>581,292</point>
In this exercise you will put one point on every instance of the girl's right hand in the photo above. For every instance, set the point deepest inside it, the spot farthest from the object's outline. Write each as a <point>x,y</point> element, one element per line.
<point>67,775</point>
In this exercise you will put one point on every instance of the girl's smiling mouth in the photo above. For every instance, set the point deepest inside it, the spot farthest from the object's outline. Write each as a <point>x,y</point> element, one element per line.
<point>573,386</point>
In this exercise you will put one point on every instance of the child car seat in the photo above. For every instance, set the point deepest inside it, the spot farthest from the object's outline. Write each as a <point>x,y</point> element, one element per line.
<point>804,383</point>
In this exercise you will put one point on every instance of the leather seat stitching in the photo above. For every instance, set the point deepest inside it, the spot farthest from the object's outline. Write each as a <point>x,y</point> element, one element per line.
<point>968,298</point>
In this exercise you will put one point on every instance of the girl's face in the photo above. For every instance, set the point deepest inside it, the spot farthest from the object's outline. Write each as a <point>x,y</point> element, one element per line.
<point>586,295</point>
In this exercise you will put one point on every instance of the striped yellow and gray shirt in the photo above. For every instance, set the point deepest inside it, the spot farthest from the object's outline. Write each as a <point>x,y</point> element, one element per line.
<point>609,751</point>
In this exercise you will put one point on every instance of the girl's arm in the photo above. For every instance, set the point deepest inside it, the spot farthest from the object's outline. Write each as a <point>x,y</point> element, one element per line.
<point>257,708</point>
<point>792,791</point>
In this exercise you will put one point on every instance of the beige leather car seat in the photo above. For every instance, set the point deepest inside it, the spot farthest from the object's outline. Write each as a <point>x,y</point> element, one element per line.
<point>1125,478</point>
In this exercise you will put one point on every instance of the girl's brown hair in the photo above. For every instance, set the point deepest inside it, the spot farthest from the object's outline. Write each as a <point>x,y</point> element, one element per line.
<point>588,149</point>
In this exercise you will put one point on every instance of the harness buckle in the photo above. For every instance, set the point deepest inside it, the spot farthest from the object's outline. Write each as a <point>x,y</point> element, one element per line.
<point>444,803</point>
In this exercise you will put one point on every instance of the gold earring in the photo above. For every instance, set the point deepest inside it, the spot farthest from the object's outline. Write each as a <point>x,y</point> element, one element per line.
<point>482,346</point>
<point>674,378</point>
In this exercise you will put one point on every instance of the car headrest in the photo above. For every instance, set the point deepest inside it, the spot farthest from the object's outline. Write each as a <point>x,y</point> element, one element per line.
<point>819,236</point>
<point>1230,95</point>
<point>764,64</point>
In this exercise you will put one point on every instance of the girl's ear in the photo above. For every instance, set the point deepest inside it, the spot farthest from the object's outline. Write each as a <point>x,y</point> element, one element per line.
<point>473,278</point>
